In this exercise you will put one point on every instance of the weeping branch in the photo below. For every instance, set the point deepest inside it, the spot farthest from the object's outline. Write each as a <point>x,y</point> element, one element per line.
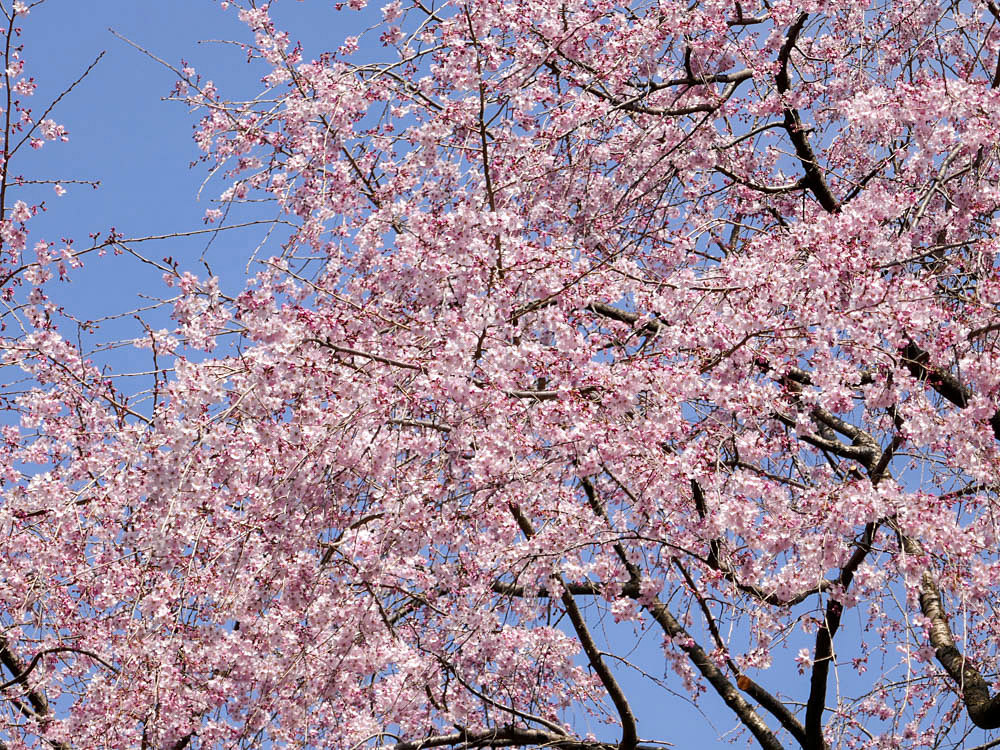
<point>823,653</point>
<point>715,562</point>
<point>503,737</point>
<point>630,738</point>
<point>40,709</point>
<point>950,388</point>
<point>813,178</point>
<point>746,713</point>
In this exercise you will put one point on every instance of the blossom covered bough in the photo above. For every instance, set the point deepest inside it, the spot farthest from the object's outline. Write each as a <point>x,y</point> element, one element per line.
<point>679,315</point>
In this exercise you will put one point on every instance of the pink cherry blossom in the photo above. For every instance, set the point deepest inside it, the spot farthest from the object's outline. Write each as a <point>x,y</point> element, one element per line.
<point>594,352</point>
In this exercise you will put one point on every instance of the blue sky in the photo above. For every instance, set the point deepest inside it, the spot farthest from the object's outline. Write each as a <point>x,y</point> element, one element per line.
<point>124,135</point>
<point>139,146</point>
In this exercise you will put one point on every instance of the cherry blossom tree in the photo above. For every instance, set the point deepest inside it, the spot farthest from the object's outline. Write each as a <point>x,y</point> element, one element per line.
<point>581,325</point>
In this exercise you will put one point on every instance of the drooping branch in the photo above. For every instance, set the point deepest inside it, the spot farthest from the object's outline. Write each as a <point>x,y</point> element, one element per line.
<point>715,562</point>
<point>21,678</point>
<point>746,713</point>
<point>594,656</point>
<point>35,695</point>
<point>768,701</point>
<point>823,654</point>
<point>788,187</point>
<point>509,736</point>
<point>983,709</point>
<point>865,453</point>
<point>726,690</point>
<point>509,709</point>
<point>584,588</point>
<point>634,103</point>
<point>863,448</point>
<point>917,361</point>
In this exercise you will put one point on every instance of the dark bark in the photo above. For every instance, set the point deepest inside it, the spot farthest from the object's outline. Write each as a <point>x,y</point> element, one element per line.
<point>823,654</point>
<point>813,178</point>
<point>595,657</point>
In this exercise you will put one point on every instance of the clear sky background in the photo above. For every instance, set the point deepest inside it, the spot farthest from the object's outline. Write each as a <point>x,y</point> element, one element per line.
<point>140,148</point>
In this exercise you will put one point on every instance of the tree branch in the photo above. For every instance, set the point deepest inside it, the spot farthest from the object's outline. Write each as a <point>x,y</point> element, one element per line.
<point>768,701</point>
<point>983,710</point>
<point>701,660</point>
<point>629,736</point>
<point>715,562</point>
<point>823,654</point>
<point>586,588</point>
<point>35,695</point>
<point>813,178</point>
<point>917,361</point>
<point>503,737</point>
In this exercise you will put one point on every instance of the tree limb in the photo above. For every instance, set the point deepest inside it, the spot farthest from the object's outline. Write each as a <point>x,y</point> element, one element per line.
<point>813,177</point>
<point>503,737</point>
<point>701,660</point>
<point>629,736</point>
<point>823,654</point>
<point>768,701</point>
<point>917,361</point>
<point>983,709</point>
<point>35,695</point>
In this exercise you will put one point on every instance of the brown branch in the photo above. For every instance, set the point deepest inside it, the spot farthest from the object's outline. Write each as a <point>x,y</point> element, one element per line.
<point>501,737</point>
<point>733,80</point>
<point>917,361</point>
<point>813,177</point>
<point>615,313</point>
<point>823,654</point>
<point>768,701</point>
<point>594,657</point>
<point>35,695</point>
<point>551,395</point>
<point>7,113</point>
<point>374,357</point>
<point>865,454</point>
<point>704,664</point>
<point>701,660</point>
<point>767,189</point>
<point>977,332</point>
<point>983,710</point>
<point>21,678</point>
<point>863,448</point>
<point>16,667</point>
<point>586,588</point>
<point>995,10</point>
<point>503,707</point>
<point>439,426</point>
<point>38,120</point>
<point>742,75</point>
<point>809,736</point>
